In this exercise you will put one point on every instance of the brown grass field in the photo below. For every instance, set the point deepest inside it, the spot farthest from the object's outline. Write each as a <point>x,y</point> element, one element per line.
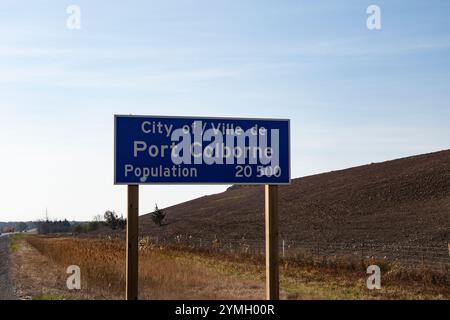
<point>39,266</point>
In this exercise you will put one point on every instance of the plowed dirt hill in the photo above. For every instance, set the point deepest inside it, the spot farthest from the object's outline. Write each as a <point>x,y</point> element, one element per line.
<point>404,201</point>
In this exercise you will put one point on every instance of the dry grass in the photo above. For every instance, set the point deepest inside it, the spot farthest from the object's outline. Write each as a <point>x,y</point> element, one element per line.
<point>37,277</point>
<point>102,265</point>
<point>310,277</point>
<point>187,273</point>
<point>15,241</point>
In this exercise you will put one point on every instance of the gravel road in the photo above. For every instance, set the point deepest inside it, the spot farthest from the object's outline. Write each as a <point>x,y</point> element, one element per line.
<point>6,287</point>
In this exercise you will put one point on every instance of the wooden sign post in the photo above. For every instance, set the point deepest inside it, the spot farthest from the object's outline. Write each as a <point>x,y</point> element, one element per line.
<point>272,268</point>
<point>132,242</point>
<point>140,142</point>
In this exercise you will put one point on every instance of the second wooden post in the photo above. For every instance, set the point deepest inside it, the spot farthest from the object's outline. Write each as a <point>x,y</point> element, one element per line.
<point>272,268</point>
<point>132,242</point>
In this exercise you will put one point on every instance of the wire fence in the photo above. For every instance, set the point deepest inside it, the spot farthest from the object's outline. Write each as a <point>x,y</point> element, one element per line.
<point>437,256</point>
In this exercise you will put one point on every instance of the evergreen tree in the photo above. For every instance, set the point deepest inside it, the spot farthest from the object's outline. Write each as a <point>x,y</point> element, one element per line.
<point>158,216</point>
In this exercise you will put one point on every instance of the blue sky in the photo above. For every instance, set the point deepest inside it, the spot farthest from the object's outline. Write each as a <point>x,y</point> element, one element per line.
<point>354,96</point>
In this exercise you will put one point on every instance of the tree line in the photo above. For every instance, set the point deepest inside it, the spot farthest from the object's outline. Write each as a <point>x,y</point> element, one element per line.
<point>110,220</point>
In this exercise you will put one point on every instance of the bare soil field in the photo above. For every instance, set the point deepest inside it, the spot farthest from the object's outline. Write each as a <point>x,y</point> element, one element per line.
<point>404,202</point>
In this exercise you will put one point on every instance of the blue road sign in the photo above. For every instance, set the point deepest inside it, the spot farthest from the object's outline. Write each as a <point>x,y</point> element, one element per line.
<point>190,150</point>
